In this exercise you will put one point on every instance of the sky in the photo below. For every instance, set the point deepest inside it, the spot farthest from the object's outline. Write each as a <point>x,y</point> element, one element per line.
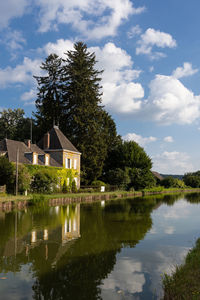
<point>149,51</point>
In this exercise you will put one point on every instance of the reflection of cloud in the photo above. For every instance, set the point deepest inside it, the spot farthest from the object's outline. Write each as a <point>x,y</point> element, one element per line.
<point>169,230</point>
<point>179,210</point>
<point>127,276</point>
<point>163,260</point>
<point>153,231</point>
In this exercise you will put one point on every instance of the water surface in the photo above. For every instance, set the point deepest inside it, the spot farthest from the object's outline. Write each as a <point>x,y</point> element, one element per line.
<point>106,250</point>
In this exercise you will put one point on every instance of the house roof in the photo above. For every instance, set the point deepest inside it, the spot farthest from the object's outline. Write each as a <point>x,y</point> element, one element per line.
<point>157,175</point>
<point>11,147</point>
<point>58,141</point>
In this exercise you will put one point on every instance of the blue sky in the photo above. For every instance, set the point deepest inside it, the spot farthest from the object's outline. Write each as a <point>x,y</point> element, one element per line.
<point>149,51</point>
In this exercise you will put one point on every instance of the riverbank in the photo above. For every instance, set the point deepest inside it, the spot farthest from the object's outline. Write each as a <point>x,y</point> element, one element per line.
<point>8,202</point>
<point>184,282</point>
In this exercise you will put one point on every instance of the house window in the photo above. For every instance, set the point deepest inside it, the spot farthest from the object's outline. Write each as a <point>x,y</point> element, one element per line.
<point>75,164</point>
<point>46,160</point>
<point>34,159</point>
<point>68,163</point>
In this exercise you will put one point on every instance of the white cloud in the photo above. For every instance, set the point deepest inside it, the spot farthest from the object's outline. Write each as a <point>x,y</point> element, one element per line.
<point>142,141</point>
<point>170,102</point>
<point>152,38</point>
<point>22,74</point>
<point>169,230</point>
<point>14,40</point>
<point>32,94</point>
<point>94,19</point>
<point>172,163</point>
<point>120,93</point>
<point>59,48</point>
<point>135,30</point>
<point>168,139</point>
<point>184,71</point>
<point>10,9</point>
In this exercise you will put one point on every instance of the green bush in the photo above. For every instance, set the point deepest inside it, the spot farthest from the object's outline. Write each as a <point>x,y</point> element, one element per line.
<point>44,181</point>
<point>6,174</point>
<point>65,187</point>
<point>171,182</point>
<point>74,187</point>
<point>24,179</point>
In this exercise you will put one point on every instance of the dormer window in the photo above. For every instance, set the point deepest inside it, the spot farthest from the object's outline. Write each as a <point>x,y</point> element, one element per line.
<point>35,159</point>
<point>46,160</point>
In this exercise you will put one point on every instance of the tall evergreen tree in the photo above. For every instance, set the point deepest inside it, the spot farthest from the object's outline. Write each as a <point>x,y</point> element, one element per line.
<point>70,94</point>
<point>49,103</point>
<point>88,126</point>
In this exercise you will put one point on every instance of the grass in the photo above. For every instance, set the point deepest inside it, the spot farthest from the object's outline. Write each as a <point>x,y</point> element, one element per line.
<point>5,197</point>
<point>184,283</point>
<point>156,190</point>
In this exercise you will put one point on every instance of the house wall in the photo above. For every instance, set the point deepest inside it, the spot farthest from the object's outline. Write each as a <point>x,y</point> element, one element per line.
<point>73,156</point>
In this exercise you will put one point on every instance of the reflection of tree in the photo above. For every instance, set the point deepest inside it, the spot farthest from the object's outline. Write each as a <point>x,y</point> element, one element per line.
<point>79,273</point>
<point>75,269</point>
<point>75,277</point>
<point>193,197</point>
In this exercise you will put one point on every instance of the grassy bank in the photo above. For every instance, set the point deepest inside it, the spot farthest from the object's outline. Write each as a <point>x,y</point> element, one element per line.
<point>5,198</point>
<point>146,192</point>
<point>184,283</point>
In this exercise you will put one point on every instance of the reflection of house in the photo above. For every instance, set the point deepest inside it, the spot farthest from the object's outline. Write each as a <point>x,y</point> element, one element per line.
<point>54,149</point>
<point>71,227</point>
<point>68,231</point>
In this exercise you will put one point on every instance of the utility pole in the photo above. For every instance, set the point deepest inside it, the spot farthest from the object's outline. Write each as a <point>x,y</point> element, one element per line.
<point>17,162</point>
<point>31,133</point>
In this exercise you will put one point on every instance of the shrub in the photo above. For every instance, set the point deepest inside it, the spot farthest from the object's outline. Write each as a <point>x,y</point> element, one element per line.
<point>6,174</point>
<point>74,187</point>
<point>24,179</point>
<point>44,181</point>
<point>65,187</point>
<point>171,182</point>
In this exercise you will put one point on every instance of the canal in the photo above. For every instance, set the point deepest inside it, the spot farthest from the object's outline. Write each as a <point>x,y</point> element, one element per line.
<point>105,250</point>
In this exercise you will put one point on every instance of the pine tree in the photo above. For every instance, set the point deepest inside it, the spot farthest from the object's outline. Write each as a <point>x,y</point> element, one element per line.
<point>87,124</point>
<point>70,94</point>
<point>49,103</point>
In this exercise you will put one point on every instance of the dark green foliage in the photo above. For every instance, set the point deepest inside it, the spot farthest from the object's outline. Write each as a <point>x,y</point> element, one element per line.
<point>192,179</point>
<point>44,181</point>
<point>6,174</point>
<point>49,103</point>
<point>88,126</point>
<point>14,125</point>
<point>74,187</point>
<point>171,182</point>
<point>98,183</point>
<point>128,165</point>
<point>65,187</point>
<point>24,179</point>
<point>119,177</point>
<point>141,178</point>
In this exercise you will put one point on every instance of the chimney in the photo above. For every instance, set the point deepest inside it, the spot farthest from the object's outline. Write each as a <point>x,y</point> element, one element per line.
<point>28,143</point>
<point>46,140</point>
